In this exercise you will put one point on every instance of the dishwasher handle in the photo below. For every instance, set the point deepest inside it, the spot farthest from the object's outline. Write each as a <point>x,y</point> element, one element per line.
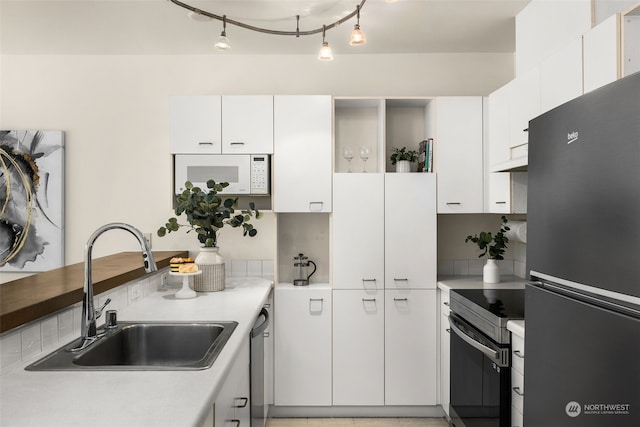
<point>259,327</point>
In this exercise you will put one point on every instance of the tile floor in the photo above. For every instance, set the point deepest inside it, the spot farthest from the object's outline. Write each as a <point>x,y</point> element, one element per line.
<point>357,422</point>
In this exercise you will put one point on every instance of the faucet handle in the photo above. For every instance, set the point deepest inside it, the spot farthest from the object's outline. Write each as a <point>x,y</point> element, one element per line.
<point>101,309</point>
<point>112,319</point>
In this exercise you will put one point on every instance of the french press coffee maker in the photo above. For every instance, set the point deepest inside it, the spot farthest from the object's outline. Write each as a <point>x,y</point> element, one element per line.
<point>301,264</point>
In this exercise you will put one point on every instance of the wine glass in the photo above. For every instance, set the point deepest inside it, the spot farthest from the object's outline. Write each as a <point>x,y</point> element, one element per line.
<point>347,153</point>
<point>364,155</point>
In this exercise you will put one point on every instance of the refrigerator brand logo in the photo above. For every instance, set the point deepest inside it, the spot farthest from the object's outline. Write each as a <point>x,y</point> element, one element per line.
<point>572,137</point>
<point>572,409</point>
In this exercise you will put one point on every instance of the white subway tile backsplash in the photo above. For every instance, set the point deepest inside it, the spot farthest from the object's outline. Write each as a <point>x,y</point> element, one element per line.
<point>65,324</point>
<point>506,266</point>
<point>238,267</point>
<point>10,349</point>
<point>254,268</point>
<point>460,267</point>
<point>476,266</point>
<point>31,341</point>
<point>267,269</point>
<point>520,268</point>
<point>473,267</point>
<point>49,330</point>
<point>445,267</point>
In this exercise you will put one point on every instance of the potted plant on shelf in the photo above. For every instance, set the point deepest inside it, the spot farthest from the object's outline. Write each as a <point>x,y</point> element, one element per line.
<point>206,214</point>
<point>403,158</point>
<point>494,247</point>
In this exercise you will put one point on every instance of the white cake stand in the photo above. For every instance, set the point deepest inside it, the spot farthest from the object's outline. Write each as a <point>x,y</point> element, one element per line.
<point>186,292</point>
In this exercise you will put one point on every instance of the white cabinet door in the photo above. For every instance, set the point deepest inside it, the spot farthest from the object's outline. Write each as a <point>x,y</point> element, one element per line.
<point>561,76</point>
<point>410,242</point>
<point>410,351</point>
<point>232,402</point>
<point>195,125</point>
<point>302,153</point>
<point>601,54</point>
<point>358,231</point>
<point>268,357</point>
<point>459,154</point>
<point>524,105</point>
<point>302,327</point>
<point>358,348</point>
<point>247,124</point>
<point>445,387</point>
<point>499,192</point>
<point>498,143</point>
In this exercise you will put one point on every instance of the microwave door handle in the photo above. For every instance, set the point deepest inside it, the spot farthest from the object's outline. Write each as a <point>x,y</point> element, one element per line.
<point>473,343</point>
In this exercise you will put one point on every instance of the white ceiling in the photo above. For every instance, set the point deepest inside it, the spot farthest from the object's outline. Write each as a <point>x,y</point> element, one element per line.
<point>161,27</point>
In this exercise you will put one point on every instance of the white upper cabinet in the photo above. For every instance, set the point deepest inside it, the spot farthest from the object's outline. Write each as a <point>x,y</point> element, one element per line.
<point>524,105</point>
<point>601,54</point>
<point>195,125</point>
<point>302,153</point>
<point>498,122</point>
<point>247,124</point>
<point>358,230</point>
<point>409,230</point>
<point>459,155</point>
<point>561,75</point>
<point>544,25</point>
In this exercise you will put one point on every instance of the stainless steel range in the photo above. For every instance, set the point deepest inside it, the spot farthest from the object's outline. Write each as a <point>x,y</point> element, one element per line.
<point>480,355</point>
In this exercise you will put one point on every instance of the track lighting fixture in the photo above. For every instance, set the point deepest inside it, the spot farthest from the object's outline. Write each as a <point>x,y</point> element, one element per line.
<point>325,51</point>
<point>357,36</point>
<point>223,40</point>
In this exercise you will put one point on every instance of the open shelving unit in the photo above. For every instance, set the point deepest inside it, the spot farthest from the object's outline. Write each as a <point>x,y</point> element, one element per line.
<point>380,124</point>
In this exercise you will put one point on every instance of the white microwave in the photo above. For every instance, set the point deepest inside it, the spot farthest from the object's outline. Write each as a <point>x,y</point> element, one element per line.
<point>245,173</point>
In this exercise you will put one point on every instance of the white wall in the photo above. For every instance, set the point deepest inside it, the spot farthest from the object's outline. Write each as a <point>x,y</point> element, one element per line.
<point>114,112</point>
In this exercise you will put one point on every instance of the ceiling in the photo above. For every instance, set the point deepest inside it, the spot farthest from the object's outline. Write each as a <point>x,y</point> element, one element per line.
<point>161,27</point>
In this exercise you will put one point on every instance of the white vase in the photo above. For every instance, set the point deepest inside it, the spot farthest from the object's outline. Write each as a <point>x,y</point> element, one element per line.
<point>211,264</point>
<point>491,272</point>
<point>403,166</point>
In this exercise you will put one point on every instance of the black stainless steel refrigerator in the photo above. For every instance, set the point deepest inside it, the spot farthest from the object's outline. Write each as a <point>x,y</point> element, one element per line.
<point>582,325</point>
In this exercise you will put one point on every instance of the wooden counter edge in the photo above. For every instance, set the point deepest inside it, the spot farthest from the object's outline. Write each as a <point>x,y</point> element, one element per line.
<point>30,298</point>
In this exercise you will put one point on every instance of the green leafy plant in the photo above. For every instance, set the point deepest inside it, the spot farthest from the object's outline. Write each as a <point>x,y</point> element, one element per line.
<point>207,213</point>
<point>484,240</point>
<point>402,154</point>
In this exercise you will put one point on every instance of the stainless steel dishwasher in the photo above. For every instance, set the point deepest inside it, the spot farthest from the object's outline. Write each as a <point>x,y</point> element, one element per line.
<point>258,414</point>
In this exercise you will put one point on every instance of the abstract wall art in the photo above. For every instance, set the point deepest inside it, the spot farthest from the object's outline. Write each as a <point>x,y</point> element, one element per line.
<point>31,200</point>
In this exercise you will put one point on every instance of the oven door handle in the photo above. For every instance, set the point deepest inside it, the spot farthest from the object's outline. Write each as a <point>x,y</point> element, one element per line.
<point>473,343</point>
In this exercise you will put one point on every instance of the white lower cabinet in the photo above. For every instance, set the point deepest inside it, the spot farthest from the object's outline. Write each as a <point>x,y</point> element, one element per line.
<point>517,380</point>
<point>444,350</point>
<point>302,345</point>
<point>358,347</point>
<point>232,406</point>
<point>410,350</point>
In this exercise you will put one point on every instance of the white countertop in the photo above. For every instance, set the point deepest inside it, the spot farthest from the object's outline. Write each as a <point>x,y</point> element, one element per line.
<point>516,327</point>
<point>475,282</point>
<point>138,398</point>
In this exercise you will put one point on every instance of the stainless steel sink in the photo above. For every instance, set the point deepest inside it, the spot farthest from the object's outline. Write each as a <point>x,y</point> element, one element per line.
<point>145,346</point>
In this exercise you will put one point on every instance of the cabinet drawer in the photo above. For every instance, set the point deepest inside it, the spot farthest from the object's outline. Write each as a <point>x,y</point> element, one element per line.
<point>517,353</point>
<point>517,419</point>
<point>517,390</point>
